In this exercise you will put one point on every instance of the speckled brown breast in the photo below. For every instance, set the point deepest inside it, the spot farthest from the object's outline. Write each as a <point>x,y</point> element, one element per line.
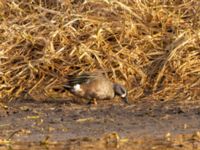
<point>99,88</point>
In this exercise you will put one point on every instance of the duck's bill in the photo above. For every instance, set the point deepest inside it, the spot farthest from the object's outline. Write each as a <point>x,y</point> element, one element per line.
<point>125,100</point>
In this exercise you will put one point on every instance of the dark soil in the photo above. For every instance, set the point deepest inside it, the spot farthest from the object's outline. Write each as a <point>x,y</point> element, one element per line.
<point>145,124</point>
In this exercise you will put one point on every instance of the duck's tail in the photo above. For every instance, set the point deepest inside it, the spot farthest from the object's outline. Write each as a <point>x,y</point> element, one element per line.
<point>68,87</point>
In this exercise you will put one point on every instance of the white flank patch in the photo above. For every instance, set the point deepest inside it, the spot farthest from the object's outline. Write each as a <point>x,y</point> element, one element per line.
<point>77,88</point>
<point>123,95</point>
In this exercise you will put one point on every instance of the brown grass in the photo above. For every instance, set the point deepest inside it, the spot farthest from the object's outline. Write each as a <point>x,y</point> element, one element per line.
<point>151,46</point>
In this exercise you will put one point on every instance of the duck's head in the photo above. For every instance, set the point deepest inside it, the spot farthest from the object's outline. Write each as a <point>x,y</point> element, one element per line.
<point>121,92</point>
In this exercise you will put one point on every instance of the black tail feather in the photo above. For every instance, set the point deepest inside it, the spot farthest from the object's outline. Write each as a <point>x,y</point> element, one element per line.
<point>68,87</point>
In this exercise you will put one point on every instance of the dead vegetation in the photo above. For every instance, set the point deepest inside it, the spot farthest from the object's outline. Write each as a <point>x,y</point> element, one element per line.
<point>150,46</point>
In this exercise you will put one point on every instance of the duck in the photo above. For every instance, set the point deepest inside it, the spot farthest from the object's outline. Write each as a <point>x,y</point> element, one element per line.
<point>95,86</point>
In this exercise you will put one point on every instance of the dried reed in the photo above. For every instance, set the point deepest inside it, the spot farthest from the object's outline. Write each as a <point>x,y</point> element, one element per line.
<point>151,46</point>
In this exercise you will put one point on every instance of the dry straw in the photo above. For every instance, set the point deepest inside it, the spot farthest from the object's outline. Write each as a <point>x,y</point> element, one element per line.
<point>151,46</point>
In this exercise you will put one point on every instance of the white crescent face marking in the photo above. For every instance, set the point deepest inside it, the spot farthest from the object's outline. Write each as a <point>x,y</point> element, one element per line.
<point>77,88</point>
<point>123,95</point>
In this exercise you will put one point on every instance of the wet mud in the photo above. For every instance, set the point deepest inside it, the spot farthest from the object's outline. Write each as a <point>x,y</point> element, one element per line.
<point>145,124</point>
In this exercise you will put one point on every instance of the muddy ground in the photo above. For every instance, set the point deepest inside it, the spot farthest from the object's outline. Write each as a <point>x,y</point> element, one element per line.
<point>145,124</point>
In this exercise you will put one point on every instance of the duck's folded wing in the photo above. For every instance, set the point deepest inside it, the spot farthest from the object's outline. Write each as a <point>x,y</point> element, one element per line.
<point>73,80</point>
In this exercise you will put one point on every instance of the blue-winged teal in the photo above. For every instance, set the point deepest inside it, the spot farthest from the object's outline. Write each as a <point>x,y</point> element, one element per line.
<point>93,86</point>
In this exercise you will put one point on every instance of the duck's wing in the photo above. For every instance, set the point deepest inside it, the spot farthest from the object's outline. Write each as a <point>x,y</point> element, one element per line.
<point>73,80</point>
